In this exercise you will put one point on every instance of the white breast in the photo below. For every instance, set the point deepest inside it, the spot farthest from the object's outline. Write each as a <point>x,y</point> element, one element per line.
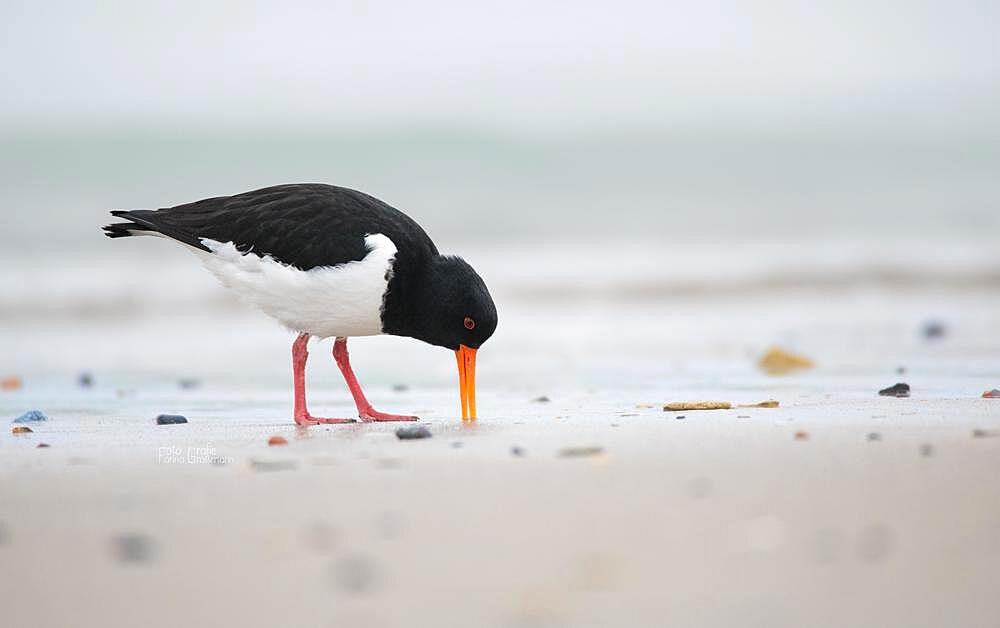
<point>344,300</point>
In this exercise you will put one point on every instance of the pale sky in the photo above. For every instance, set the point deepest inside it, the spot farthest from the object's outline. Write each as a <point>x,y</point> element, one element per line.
<point>510,64</point>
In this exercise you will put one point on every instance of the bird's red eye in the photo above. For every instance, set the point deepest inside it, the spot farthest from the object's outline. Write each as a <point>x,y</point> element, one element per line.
<point>469,323</point>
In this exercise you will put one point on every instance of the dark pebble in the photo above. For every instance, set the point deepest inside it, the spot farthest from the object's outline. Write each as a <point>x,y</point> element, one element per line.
<point>517,452</point>
<point>400,388</point>
<point>984,433</point>
<point>897,390</point>
<point>42,445</point>
<point>85,380</point>
<point>933,330</point>
<point>355,574</point>
<point>926,450</point>
<point>133,548</point>
<point>680,416</point>
<point>170,419</point>
<point>542,399</point>
<point>412,432</point>
<point>188,383</point>
<point>457,444</point>
<point>900,370</point>
<point>32,416</point>
<point>742,416</point>
<point>872,436</point>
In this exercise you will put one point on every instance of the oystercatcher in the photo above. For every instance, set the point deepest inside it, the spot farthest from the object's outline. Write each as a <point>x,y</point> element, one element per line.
<point>330,261</point>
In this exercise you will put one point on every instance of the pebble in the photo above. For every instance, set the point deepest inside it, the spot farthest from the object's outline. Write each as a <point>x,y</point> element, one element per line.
<point>133,548</point>
<point>188,383</point>
<point>42,445</point>
<point>896,390</point>
<point>978,433</point>
<point>412,432</point>
<point>681,416</point>
<point>21,429</point>
<point>400,388</point>
<point>873,436</point>
<point>517,452</point>
<point>926,450</point>
<point>580,452</point>
<point>777,361</point>
<point>32,416</point>
<point>934,329</point>
<point>801,435</point>
<point>277,440</point>
<point>85,380</point>
<point>170,419</point>
<point>457,444</point>
<point>542,399</point>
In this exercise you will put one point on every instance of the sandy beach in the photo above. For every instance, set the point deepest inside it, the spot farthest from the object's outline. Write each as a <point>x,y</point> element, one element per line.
<point>595,508</point>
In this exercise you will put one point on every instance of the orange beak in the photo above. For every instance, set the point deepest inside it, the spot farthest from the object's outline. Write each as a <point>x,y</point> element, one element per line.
<point>467,381</point>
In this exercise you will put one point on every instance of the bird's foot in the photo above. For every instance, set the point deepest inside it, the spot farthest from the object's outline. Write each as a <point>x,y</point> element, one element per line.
<point>306,419</point>
<point>371,414</point>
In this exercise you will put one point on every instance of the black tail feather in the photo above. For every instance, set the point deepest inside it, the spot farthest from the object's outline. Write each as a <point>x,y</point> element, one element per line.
<point>145,220</point>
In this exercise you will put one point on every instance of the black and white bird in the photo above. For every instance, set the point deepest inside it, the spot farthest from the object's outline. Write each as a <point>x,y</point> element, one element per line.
<point>328,261</point>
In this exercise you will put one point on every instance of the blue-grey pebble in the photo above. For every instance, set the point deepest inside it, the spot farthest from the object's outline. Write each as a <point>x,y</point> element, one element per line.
<point>32,416</point>
<point>170,419</point>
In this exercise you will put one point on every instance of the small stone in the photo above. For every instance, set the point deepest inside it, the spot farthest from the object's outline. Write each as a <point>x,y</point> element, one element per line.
<point>457,444</point>
<point>11,383</point>
<point>777,361</point>
<point>896,390</point>
<point>517,452</point>
<point>933,330</point>
<point>979,433</point>
<point>801,435</point>
<point>926,450</point>
<point>680,416</point>
<point>188,383</point>
<point>742,416</point>
<point>697,405</point>
<point>400,388</point>
<point>42,445</point>
<point>133,548</point>
<point>170,419</point>
<point>32,416</point>
<point>900,370</point>
<point>542,399</point>
<point>21,429</point>
<point>992,394</point>
<point>580,452</point>
<point>874,436</point>
<point>85,380</point>
<point>277,440</point>
<point>412,432</point>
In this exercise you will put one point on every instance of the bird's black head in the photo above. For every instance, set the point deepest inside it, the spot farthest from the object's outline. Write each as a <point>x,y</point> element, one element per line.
<point>445,303</point>
<point>453,306</point>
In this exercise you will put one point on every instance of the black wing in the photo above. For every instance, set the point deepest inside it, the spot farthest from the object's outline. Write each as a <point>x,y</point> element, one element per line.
<point>304,225</point>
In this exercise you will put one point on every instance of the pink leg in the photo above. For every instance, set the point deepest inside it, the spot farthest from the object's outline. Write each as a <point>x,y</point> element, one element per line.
<point>299,356</point>
<point>365,409</point>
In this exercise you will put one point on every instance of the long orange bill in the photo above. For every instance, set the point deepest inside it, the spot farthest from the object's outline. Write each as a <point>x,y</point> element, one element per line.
<point>467,381</point>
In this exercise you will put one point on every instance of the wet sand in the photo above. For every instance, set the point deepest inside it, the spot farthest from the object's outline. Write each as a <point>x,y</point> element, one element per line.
<point>597,508</point>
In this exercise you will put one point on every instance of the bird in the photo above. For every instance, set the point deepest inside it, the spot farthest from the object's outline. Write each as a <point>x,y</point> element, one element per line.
<point>328,261</point>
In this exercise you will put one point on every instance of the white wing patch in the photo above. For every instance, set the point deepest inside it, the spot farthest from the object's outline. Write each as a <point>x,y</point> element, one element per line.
<point>344,300</point>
